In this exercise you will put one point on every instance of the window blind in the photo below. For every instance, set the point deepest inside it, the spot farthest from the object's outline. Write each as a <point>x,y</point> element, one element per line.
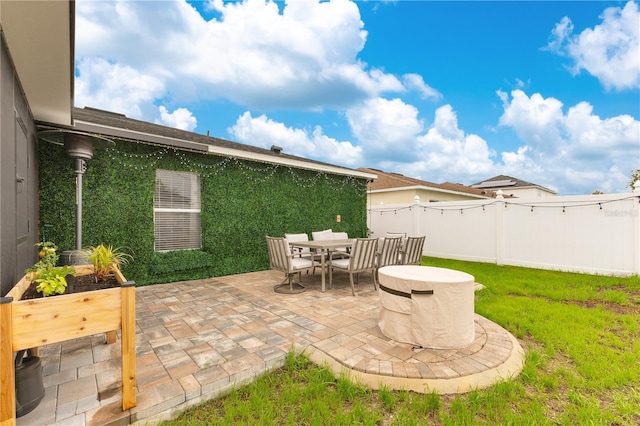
<point>176,203</point>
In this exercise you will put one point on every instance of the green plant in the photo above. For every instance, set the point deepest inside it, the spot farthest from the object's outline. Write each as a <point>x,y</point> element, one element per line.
<point>51,278</point>
<point>105,258</point>
<point>242,201</point>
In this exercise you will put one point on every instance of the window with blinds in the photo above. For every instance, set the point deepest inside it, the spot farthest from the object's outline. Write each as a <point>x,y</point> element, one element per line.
<point>176,211</point>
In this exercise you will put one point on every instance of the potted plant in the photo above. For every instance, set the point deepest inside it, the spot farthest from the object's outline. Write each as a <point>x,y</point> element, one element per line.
<point>41,321</point>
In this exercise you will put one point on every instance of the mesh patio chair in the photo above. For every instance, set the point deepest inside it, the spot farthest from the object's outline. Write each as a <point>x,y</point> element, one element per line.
<point>412,253</point>
<point>361,259</point>
<point>282,259</point>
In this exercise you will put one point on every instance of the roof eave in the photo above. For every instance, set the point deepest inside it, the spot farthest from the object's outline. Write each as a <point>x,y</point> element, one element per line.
<point>215,150</point>
<point>429,188</point>
<point>40,37</point>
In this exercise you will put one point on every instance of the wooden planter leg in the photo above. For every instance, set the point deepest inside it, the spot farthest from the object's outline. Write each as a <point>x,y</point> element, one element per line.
<point>128,345</point>
<point>7,371</point>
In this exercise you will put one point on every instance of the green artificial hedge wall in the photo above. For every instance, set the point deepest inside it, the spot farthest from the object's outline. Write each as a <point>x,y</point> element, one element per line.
<point>241,203</point>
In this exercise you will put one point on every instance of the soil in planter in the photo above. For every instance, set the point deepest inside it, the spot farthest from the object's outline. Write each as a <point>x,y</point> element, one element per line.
<point>75,285</point>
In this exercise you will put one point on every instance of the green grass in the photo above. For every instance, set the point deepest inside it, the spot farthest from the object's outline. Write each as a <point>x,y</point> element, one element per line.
<point>581,334</point>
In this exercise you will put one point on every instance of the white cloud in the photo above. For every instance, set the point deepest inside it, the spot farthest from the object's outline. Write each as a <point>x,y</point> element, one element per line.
<point>151,60</point>
<point>416,82</point>
<point>388,133</point>
<point>535,120</point>
<point>569,151</point>
<point>609,51</point>
<point>181,118</point>
<point>385,128</point>
<point>263,132</point>
<point>447,152</point>
<point>253,54</point>
<point>117,88</point>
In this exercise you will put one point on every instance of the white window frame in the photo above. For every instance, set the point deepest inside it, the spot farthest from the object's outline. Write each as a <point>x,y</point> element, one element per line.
<point>176,211</point>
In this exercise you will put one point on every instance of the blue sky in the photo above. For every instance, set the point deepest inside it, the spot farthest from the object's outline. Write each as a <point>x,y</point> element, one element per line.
<point>545,91</point>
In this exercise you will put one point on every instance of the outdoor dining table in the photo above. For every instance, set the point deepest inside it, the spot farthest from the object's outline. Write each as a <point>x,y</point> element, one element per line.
<point>322,246</point>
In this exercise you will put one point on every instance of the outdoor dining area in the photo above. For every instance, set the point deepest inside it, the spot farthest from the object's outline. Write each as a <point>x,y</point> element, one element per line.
<point>294,254</point>
<point>421,305</point>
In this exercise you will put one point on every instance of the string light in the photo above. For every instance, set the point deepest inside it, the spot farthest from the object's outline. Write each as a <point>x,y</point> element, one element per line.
<point>512,203</point>
<point>252,171</point>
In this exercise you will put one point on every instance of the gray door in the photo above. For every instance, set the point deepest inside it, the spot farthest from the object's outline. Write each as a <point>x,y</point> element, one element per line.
<point>24,249</point>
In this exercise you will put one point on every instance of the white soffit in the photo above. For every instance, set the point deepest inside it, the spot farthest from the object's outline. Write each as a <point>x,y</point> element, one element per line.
<point>40,37</point>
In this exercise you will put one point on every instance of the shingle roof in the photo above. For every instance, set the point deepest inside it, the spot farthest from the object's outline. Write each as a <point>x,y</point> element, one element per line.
<point>502,181</point>
<point>120,126</point>
<point>121,121</point>
<point>396,180</point>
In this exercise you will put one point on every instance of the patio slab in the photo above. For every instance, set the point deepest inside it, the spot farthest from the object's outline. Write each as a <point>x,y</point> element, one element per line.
<point>197,340</point>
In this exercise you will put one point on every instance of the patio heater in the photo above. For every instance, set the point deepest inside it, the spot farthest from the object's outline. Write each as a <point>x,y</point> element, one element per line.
<point>79,147</point>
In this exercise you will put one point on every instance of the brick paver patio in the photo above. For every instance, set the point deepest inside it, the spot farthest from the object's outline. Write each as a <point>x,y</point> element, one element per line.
<point>196,340</point>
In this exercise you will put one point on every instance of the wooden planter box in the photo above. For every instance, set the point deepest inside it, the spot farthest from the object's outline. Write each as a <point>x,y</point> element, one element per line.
<point>31,323</point>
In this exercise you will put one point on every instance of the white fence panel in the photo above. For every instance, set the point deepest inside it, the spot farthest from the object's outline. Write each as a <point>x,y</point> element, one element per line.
<point>393,218</point>
<point>586,234</point>
<point>462,230</point>
<point>592,234</point>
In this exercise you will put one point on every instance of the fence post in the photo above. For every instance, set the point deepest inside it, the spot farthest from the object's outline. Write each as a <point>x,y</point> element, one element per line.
<point>416,216</point>
<point>636,225</point>
<point>500,231</point>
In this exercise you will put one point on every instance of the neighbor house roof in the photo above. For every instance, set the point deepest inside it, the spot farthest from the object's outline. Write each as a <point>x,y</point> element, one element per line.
<point>505,182</point>
<point>119,126</point>
<point>390,181</point>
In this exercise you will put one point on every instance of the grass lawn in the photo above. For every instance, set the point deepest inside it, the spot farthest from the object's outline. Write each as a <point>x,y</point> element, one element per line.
<point>581,334</point>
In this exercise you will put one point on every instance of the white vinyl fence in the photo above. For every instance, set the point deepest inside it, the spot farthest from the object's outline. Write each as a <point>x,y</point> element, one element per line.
<point>597,234</point>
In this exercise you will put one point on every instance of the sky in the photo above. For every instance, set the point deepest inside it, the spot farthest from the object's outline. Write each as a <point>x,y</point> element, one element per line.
<point>444,91</point>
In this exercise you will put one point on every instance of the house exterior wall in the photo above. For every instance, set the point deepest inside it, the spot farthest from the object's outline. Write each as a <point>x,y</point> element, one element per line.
<point>241,202</point>
<point>400,196</point>
<point>18,177</point>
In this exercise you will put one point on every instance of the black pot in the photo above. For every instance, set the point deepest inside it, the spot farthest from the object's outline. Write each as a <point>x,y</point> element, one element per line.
<point>29,382</point>
<point>73,257</point>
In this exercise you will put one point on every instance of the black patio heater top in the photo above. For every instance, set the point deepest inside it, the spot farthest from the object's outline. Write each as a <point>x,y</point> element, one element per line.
<point>78,146</point>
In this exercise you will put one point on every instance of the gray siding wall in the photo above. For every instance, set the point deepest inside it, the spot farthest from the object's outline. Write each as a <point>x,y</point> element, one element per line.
<point>18,177</point>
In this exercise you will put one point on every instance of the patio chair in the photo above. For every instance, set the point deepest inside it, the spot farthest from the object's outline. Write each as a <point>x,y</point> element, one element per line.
<point>361,259</point>
<point>282,259</point>
<point>341,236</point>
<point>412,253</point>
<point>402,235</point>
<point>328,234</point>
<point>389,252</point>
<point>303,252</point>
<point>322,235</point>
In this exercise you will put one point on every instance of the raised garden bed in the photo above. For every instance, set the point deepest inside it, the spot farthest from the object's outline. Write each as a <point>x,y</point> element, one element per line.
<point>30,323</point>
